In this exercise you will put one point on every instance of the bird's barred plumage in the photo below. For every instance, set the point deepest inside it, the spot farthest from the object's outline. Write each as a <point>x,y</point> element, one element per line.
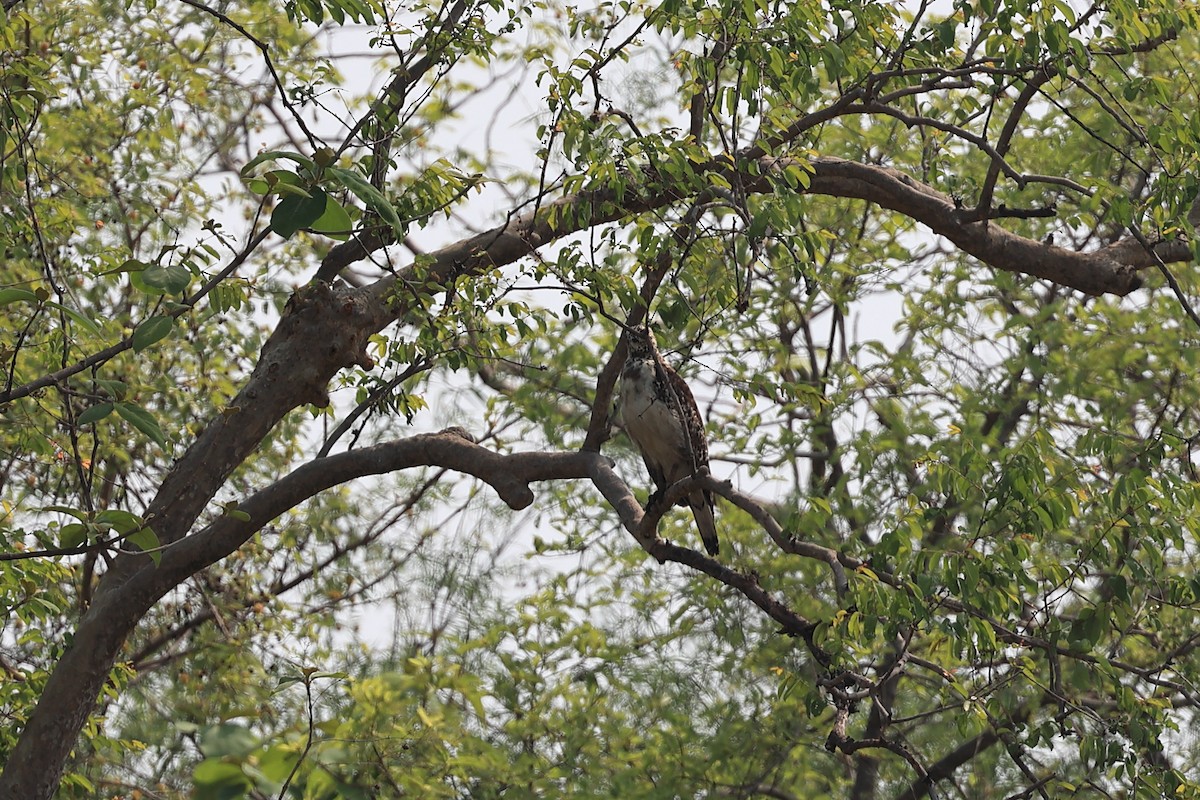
<point>660,415</point>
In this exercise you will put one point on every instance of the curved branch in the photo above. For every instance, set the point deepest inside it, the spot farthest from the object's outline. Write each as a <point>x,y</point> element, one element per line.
<point>509,475</point>
<point>1110,270</point>
<point>786,542</point>
<point>642,524</point>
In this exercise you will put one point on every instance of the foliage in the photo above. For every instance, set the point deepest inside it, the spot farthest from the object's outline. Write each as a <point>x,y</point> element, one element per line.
<point>920,267</point>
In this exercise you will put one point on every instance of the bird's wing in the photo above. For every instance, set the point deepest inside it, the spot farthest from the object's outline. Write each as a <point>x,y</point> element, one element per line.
<point>697,441</point>
<point>692,421</point>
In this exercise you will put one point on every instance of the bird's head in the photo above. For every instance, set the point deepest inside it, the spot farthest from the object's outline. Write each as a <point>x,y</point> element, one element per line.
<point>641,343</point>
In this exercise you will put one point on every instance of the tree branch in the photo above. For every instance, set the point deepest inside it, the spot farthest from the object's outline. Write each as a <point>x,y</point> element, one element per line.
<point>642,525</point>
<point>1110,270</point>
<point>944,767</point>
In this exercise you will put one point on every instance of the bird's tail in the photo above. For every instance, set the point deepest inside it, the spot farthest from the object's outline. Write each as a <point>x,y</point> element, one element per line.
<point>702,510</point>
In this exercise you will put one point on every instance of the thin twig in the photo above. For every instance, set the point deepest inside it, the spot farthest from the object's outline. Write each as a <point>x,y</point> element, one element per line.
<point>313,141</point>
<point>1162,267</point>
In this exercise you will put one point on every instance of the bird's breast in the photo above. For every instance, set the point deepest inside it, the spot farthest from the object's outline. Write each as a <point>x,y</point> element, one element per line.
<point>650,419</point>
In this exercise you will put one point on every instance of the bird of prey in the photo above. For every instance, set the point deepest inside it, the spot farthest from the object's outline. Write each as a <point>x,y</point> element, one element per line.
<point>660,415</point>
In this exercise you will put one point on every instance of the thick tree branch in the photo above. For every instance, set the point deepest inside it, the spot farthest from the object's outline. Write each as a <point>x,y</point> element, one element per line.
<point>134,583</point>
<point>1111,270</point>
<point>509,475</point>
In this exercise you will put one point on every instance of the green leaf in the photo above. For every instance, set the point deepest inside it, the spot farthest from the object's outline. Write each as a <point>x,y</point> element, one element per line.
<point>172,278</point>
<point>72,535</point>
<point>121,521</point>
<point>147,541</point>
<point>144,421</point>
<point>77,317</point>
<point>277,155</point>
<point>152,330</point>
<point>272,180</point>
<point>8,296</point>
<point>361,188</point>
<point>335,222</point>
<point>128,265</point>
<point>115,389</point>
<point>291,190</point>
<point>227,739</point>
<point>230,509</point>
<point>294,213</point>
<point>217,779</point>
<point>95,413</point>
<point>71,512</point>
<point>947,30</point>
<point>278,762</point>
<point>834,60</point>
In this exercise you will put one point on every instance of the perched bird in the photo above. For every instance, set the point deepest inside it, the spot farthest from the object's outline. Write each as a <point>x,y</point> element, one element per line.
<point>661,417</point>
